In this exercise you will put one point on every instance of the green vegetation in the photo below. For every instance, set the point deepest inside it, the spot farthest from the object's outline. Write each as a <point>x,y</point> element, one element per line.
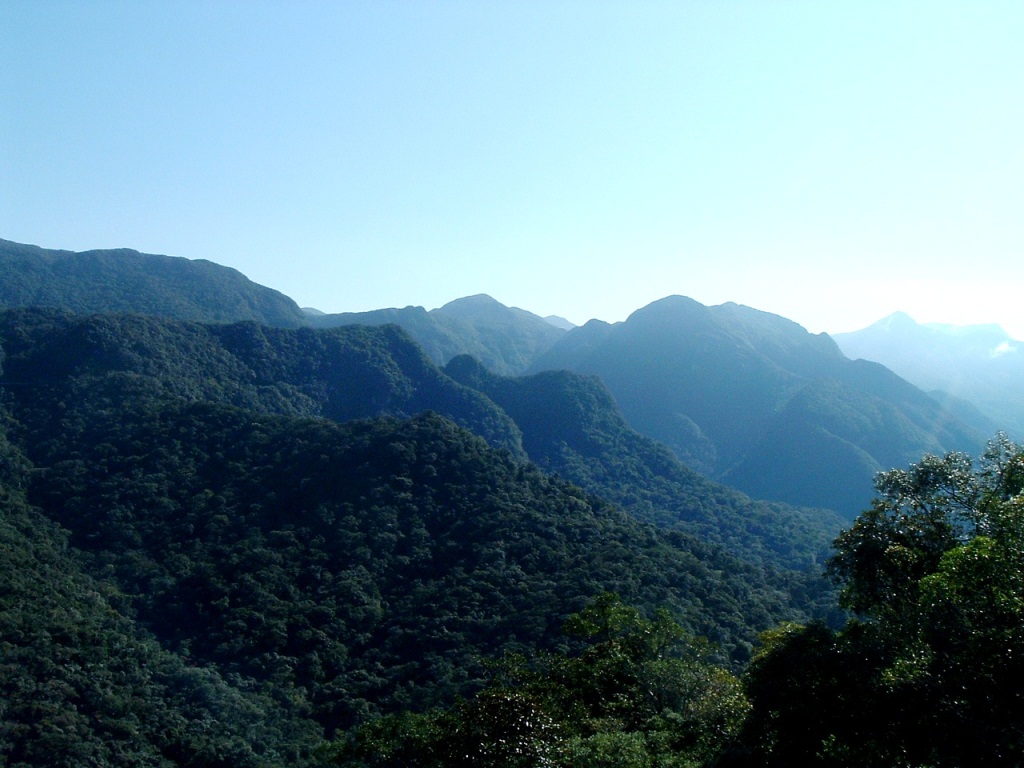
<point>572,426</point>
<point>636,692</point>
<point>194,582</point>
<point>929,671</point>
<point>56,360</point>
<point>242,545</point>
<point>124,280</point>
<point>83,684</point>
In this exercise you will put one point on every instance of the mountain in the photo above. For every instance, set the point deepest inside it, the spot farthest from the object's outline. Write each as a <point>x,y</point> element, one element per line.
<point>564,422</point>
<point>717,385</point>
<point>505,339</point>
<point>340,373</point>
<point>572,426</point>
<point>559,322</point>
<point>980,364</point>
<point>84,683</point>
<point>198,565</point>
<point>756,401</point>
<point>124,280</point>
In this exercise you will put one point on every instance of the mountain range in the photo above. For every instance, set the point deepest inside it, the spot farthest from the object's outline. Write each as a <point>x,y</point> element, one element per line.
<point>505,339</point>
<point>979,364</point>
<point>759,403</point>
<point>745,397</point>
<point>231,530</point>
<point>223,544</point>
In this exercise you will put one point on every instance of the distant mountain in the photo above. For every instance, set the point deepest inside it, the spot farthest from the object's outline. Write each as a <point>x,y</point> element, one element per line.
<point>124,280</point>
<point>717,385</point>
<point>505,339</point>
<point>754,400</point>
<point>977,363</point>
<point>560,322</point>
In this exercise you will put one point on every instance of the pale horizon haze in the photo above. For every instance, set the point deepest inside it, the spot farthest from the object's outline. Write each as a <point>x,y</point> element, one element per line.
<point>828,162</point>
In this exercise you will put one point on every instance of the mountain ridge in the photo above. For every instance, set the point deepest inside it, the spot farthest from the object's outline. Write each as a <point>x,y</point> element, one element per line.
<point>716,384</point>
<point>726,374</point>
<point>126,280</point>
<point>981,364</point>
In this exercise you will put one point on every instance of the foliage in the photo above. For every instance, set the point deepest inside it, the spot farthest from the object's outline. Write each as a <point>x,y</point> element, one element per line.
<point>81,684</point>
<point>315,574</point>
<point>638,692</point>
<point>928,673</point>
<point>303,554</point>
<point>55,360</point>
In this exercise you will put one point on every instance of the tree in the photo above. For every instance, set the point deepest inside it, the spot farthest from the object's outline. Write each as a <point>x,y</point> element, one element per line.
<point>639,693</point>
<point>927,672</point>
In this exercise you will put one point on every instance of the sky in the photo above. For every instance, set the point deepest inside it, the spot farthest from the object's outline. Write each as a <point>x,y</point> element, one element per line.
<point>830,162</point>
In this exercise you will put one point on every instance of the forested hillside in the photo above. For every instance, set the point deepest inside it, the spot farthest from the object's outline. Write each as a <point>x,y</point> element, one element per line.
<point>124,280</point>
<point>193,492</point>
<point>505,339</point>
<point>339,374</point>
<point>572,426</point>
<point>748,398</point>
<point>231,543</point>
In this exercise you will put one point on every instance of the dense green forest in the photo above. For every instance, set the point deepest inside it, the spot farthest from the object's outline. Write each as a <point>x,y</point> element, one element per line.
<point>124,280</point>
<point>303,575</point>
<point>235,544</point>
<point>745,397</point>
<point>571,425</point>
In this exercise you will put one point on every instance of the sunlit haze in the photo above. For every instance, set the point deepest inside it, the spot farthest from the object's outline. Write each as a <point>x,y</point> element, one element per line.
<point>829,162</point>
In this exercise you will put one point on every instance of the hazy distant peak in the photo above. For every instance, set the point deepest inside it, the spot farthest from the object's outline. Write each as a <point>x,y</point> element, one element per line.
<point>902,322</point>
<point>669,308</point>
<point>559,322</point>
<point>990,330</point>
<point>472,303</point>
<point>1004,348</point>
<point>313,311</point>
<point>896,321</point>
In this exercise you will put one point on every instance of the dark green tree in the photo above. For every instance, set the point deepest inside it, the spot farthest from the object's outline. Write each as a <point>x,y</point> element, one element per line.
<point>636,692</point>
<point>928,671</point>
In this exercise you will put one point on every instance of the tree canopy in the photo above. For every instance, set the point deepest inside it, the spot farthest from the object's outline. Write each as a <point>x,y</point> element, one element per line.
<point>637,692</point>
<point>928,670</point>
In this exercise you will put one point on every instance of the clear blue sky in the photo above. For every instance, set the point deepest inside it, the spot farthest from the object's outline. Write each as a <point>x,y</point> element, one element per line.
<point>827,161</point>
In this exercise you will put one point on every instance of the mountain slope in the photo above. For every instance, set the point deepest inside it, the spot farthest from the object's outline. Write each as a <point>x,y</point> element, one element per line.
<point>339,374</point>
<point>980,363</point>
<point>124,280</point>
<point>83,684</point>
<point>572,426</point>
<point>505,339</point>
<point>753,399</point>
<point>345,570</point>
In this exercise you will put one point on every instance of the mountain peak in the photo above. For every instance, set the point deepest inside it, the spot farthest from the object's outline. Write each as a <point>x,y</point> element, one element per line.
<point>896,321</point>
<point>559,322</point>
<point>473,303</point>
<point>670,308</point>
